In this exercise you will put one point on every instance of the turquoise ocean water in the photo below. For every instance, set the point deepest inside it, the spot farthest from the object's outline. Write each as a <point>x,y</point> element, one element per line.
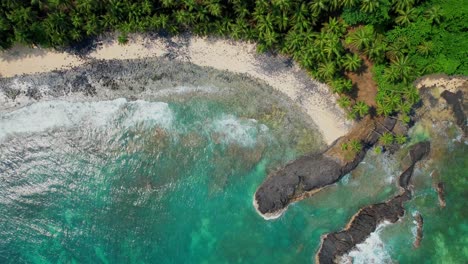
<point>152,182</point>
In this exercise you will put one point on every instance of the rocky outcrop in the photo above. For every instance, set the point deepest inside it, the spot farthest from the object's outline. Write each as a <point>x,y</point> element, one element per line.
<point>363,223</point>
<point>419,231</point>
<point>441,194</point>
<point>310,173</point>
<point>455,100</point>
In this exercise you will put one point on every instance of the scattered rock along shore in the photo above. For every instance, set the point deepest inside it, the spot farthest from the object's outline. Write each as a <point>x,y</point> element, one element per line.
<point>366,220</point>
<point>309,174</point>
<point>455,100</point>
<point>419,232</point>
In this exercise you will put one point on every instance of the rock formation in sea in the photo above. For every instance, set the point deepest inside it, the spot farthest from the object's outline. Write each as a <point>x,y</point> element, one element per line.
<point>455,100</point>
<point>308,174</point>
<point>441,194</point>
<point>366,220</point>
<point>419,231</point>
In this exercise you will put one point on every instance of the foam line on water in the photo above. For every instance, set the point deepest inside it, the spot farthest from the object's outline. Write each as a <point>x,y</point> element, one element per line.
<point>46,115</point>
<point>372,250</point>
<point>233,130</point>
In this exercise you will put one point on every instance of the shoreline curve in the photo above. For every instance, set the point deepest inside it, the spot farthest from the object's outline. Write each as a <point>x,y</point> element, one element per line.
<point>279,72</point>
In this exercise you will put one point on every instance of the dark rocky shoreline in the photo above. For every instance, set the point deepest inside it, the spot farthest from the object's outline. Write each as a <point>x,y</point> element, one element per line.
<point>312,172</point>
<point>368,218</point>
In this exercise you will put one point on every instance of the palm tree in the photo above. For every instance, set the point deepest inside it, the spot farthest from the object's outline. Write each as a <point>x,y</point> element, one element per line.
<point>214,8</point>
<point>406,16</point>
<point>361,38</point>
<point>376,51</point>
<point>369,6</point>
<point>397,48</point>
<point>341,85</point>
<point>344,102</point>
<point>402,4</point>
<point>355,145</point>
<point>400,69</point>
<point>386,138</point>
<point>282,20</point>
<point>347,85</point>
<point>333,47</point>
<point>300,19</point>
<point>326,70</point>
<point>348,3</point>
<point>400,139</point>
<point>293,42</point>
<point>434,14</point>
<point>317,6</point>
<point>332,26</point>
<point>383,109</point>
<point>411,94</point>
<point>361,108</point>
<point>352,62</point>
<point>344,146</point>
<point>85,6</point>
<point>334,4</point>
<point>378,150</point>
<point>424,48</point>
<point>405,118</point>
<point>392,100</point>
<point>337,85</point>
<point>281,4</point>
<point>404,107</point>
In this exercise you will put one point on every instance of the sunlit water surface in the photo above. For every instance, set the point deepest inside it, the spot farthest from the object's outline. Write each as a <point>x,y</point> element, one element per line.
<point>155,182</point>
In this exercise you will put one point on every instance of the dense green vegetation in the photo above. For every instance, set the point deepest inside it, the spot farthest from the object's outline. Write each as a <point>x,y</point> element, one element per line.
<point>402,39</point>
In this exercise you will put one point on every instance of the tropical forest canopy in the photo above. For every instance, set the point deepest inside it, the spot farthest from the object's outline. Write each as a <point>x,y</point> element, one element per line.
<point>400,39</point>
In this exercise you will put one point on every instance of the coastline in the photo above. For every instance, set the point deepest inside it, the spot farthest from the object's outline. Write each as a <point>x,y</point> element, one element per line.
<point>281,73</point>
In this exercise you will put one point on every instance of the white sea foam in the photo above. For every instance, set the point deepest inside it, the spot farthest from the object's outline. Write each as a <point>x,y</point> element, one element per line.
<point>46,115</point>
<point>185,89</point>
<point>238,131</point>
<point>149,113</point>
<point>372,250</point>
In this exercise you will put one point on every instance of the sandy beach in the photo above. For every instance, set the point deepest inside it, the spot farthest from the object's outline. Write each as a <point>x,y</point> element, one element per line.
<point>237,57</point>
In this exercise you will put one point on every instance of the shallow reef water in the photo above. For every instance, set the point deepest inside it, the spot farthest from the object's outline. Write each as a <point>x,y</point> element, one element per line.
<point>124,181</point>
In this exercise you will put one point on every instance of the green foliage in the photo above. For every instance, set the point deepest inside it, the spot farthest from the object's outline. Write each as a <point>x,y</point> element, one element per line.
<point>378,150</point>
<point>344,102</point>
<point>404,39</point>
<point>361,109</point>
<point>355,145</point>
<point>122,39</point>
<point>344,146</point>
<point>341,85</point>
<point>400,139</point>
<point>361,38</point>
<point>386,138</point>
<point>351,62</point>
<point>380,17</point>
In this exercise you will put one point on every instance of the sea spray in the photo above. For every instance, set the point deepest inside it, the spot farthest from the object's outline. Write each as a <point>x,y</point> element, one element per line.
<point>372,250</point>
<point>46,115</point>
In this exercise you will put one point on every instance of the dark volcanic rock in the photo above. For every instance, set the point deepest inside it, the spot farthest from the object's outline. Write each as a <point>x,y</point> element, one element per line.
<point>305,173</point>
<point>405,177</point>
<point>441,194</point>
<point>456,101</point>
<point>368,218</point>
<point>361,226</point>
<point>419,232</point>
<point>419,151</point>
<point>312,172</point>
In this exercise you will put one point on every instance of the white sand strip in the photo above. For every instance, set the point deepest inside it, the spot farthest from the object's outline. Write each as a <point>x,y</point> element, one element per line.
<point>237,57</point>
